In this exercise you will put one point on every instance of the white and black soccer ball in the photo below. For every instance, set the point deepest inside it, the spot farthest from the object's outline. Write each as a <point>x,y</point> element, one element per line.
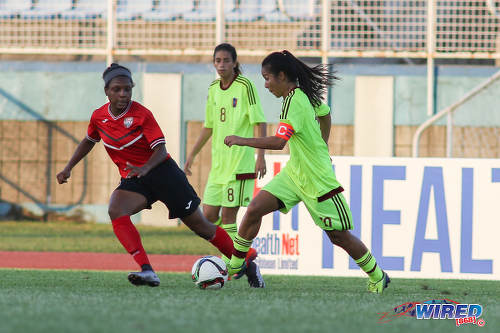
<point>209,272</point>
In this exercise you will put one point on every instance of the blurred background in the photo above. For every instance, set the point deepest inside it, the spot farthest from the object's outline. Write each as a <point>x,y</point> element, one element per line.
<point>418,79</point>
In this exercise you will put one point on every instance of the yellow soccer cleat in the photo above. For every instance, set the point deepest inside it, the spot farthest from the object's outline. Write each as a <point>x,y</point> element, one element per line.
<point>379,286</point>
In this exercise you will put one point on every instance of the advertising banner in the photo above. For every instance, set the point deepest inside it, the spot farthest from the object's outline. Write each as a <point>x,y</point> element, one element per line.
<point>421,218</point>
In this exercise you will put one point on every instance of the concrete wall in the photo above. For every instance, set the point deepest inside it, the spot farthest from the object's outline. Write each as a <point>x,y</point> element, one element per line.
<point>373,116</point>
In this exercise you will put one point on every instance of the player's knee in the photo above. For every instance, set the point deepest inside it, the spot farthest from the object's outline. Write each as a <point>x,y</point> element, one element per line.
<point>339,238</point>
<point>211,213</point>
<point>199,224</point>
<point>253,213</point>
<point>114,213</point>
<point>211,217</point>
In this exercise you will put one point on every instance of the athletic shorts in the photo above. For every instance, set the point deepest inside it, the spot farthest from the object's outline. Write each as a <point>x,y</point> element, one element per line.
<point>236,193</point>
<point>329,211</point>
<point>168,184</point>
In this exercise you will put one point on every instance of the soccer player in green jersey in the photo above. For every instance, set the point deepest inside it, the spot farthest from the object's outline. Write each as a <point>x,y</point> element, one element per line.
<point>308,176</point>
<point>233,106</point>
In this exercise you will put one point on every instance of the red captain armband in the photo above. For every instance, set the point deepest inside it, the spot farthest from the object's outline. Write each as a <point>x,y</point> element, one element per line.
<point>284,131</point>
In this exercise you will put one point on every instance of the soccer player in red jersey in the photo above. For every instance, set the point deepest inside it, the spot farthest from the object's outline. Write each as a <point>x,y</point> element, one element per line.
<point>136,144</point>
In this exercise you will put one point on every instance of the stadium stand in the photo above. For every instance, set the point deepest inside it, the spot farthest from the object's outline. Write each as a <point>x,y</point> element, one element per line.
<point>11,8</point>
<point>291,10</point>
<point>205,10</point>
<point>85,9</point>
<point>249,11</point>
<point>46,9</point>
<point>168,10</point>
<point>132,9</point>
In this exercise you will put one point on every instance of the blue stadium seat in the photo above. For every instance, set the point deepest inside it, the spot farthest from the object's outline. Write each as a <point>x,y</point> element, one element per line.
<point>206,10</point>
<point>12,8</point>
<point>86,9</point>
<point>125,9</point>
<point>168,10</point>
<point>132,9</point>
<point>47,9</point>
<point>251,10</point>
<point>292,10</point>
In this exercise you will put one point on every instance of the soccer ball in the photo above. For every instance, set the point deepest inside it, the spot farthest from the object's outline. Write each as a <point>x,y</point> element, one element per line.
<point>209,272</point>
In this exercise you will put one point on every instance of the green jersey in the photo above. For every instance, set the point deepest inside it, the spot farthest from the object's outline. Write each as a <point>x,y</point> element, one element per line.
<point>309,167</point>
<point>232,111</point>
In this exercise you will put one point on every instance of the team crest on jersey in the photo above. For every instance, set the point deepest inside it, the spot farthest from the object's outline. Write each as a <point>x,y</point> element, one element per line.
<point>127,122</point>
<point>235,101</point>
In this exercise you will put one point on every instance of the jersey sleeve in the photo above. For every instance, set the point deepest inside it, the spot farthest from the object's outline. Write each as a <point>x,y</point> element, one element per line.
<point>291,114</point>
<point>284,131</point>
<point>255,113</point>
<point>322,110</point>
<point>92,132</point>
<point>152,131</point>
<point>209,110</point>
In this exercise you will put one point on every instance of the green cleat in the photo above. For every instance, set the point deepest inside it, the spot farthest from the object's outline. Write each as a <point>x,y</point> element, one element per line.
<point>237,271</point>
<point>379,286</point>
<point>240,271</point>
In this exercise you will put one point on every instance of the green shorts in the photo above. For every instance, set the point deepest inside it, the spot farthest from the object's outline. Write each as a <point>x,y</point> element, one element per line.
<point>329,212</point>
<point>237,193</point>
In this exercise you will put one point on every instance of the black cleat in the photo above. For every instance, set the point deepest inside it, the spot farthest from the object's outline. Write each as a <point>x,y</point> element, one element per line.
<point>147,277</point>
<point>255,279</point>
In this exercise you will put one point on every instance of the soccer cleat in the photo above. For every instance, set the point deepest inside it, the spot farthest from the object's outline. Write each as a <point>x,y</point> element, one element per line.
<point>379,286</point>
<point>237,273</point>
<point>251,255</point>
<point>147,277</point>
<point>255,279</point>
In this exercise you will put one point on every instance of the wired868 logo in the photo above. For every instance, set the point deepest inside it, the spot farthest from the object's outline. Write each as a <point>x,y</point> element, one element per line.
<point>437,309</point>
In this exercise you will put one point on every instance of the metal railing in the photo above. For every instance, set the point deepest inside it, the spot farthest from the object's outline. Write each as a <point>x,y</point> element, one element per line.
<point>449,112</point>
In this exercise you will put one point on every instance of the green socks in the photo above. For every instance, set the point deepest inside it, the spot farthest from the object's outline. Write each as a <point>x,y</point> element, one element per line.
<point>231,229</point>
<point>241,246</point>
<point>368,264</point>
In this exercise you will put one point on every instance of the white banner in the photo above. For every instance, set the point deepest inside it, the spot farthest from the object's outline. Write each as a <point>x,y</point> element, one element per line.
<point>421,218</point>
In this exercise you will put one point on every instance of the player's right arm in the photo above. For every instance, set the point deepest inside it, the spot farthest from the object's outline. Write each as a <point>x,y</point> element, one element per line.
<point>268,142</point>
<point>205,134</point>
<point>81,151</point>
<point>324,118</point>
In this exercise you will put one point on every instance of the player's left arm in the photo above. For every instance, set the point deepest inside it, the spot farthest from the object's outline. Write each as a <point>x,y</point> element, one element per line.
<point>159,155</point>
<point>260,164</point>
<point>325,124</point>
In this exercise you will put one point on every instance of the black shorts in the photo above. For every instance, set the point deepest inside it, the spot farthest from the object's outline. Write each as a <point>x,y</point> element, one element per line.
<point>167,183</point>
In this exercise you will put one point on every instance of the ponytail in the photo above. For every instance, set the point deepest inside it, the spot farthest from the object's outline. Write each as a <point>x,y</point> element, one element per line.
<point>313,81</point>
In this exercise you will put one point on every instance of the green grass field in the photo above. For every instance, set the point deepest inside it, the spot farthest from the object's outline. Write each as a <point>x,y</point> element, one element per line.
<point>89,237</point>
<point>89,301</point>
<point>81,301</point>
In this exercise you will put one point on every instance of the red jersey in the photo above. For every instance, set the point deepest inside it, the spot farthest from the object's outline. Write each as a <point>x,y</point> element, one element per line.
<point>129,137</point>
